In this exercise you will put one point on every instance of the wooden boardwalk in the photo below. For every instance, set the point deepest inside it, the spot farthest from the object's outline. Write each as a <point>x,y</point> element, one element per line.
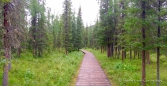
<point>91,74</point>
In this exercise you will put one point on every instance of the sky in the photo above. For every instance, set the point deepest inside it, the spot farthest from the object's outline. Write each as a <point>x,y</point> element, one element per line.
<point>89,8</point>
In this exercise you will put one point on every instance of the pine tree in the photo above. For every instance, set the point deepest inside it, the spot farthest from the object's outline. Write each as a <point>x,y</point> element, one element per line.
<point>74,31</point>
<point>143,16</point>
<point>67,33</point>
<point>105,31</point>
<point>78,30</point>
<point>7,45</point>
<point>158,34</point>
<point>13,29</point>
<point>38,30</point>
<point>41,31</point>
<point>108,22</point>
<point>33,30</point>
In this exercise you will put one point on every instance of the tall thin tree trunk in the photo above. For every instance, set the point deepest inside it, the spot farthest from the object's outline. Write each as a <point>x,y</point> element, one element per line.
<point>123,54</point>
<point>148,57</point>
<point>138,54</point>
<point>116,52</point>
<point>158,48</point>
<point>7,46</point>
<point>144,45</point>
<point>66,52</point>
<point>108,50</point>
<point>34,36</point>
<point>119,52</point>
<point>101,49</point>
<point>112,49</point>
<point>134,54</point>
<point>130,54</point>
<point>123,47</point>
<point>18,52</point>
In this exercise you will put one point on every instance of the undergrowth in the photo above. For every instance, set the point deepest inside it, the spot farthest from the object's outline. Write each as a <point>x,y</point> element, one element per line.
<point>56,69</point>
<point>128,73</point>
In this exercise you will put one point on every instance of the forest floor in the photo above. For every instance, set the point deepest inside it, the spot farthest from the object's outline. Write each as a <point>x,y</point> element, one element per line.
<point>91,74</point>
<point>128,73</point>
<point>55,69</point>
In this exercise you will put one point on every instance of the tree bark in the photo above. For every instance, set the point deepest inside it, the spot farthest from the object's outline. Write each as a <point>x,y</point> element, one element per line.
<point>34,36</point>
<point>108,50</point>
<point>119,52</point>
<point>130,54</point>
<point>116,52</point>
<point>158,48</point>
<point>112,49</point>
<point>148,57</point>
<point>7,46</point>
<point>144,45</point>
<point>123,54</point>
<point>18,52</point>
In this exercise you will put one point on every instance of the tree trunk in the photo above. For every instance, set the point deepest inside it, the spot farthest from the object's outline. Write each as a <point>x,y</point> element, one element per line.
<point>112,49</point>
<point>158,48</point>
<point>101,49</point>
<point>116,52</point>
<point>108,50</point>
<point>134,54</point>
<point>18,52</point>
<point>148,57</point>
<point>7,46</point>
<point>144,45</point>
<point>34,36</point>
<point>119,51</point>
<point>130,54</point>
<point>66,52</point>
<point>123,54</point>
<point>138,54</point>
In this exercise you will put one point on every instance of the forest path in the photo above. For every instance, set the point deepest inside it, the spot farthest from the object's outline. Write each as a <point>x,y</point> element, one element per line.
<point>91,74</point>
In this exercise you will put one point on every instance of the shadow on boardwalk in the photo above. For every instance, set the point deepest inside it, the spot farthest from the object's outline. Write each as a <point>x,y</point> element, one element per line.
<point>91,73</point>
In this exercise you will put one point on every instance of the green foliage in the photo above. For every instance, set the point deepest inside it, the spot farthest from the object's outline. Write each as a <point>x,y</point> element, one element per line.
<point>38,31</point>
<point>129,72</point>
<point>128,67</point>
<point>79,30</point>
<point>74,32</point>
<point>67,26</point>
<point>56,69</point>
<point>5,1</point>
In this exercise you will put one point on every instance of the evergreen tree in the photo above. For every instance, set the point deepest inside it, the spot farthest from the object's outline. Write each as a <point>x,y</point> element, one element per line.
<point>67,33</point>
<point>13,24</point>
<point>7,45</point>
<point>78,30</point>
<point>38,30</point>
<point>74,31</point>
<point>108,15</point>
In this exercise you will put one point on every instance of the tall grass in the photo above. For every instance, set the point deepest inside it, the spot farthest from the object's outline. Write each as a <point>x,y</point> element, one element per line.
<point>128,73</point>
<point>56,69</point>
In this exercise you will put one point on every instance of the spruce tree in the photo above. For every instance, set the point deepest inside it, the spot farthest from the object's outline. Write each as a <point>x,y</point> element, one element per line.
<point>38,30</point>
<point>78,30</point>
<point>67,33</point>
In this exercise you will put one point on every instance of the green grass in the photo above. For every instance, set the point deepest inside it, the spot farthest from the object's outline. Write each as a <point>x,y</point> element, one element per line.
<point>54,70</point>
<point>129,72</point>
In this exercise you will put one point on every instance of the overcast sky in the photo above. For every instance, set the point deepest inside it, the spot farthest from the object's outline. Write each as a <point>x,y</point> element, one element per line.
<point>90,9</point>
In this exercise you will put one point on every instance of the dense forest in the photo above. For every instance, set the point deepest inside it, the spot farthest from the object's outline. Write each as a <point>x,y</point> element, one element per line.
<point>124,29</point>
